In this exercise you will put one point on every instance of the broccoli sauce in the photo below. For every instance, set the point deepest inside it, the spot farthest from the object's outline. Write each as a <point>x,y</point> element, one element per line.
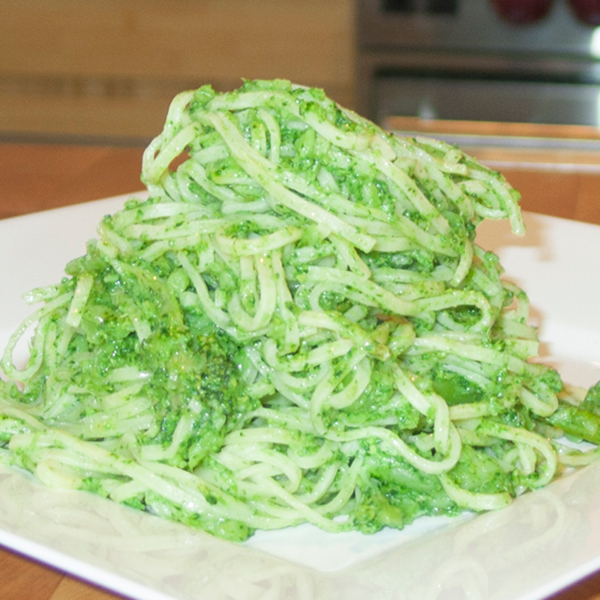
<point>296,326</point>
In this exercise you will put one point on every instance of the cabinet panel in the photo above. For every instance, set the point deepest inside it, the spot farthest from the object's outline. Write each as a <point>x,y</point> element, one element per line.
<point>97,57</point>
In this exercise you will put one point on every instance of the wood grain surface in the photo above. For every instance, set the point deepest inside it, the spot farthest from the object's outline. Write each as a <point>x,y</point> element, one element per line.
<point>40,177</point>
<point>109,68</point>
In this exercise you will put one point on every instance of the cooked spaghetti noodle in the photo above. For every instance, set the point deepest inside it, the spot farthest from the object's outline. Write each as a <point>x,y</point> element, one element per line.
<point>296,326</point>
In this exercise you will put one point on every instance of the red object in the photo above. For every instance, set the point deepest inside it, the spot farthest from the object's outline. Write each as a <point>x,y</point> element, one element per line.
<point>587,11</point>
<point>524,11</point>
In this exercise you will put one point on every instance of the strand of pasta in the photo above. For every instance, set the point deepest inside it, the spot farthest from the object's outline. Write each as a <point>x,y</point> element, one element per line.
<point>397,305</point>
<point>398,446</point>
<point>254,164</point>
<point>499,430</point>
<point>474,501</point>
<point>37,355</point>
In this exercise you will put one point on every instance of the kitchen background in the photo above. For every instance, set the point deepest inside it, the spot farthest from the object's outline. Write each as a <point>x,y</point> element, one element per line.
<point>94,70</point>
<point>108,68</point>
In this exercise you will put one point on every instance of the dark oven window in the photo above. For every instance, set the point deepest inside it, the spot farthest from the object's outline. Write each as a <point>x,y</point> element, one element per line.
<point>439,7</point>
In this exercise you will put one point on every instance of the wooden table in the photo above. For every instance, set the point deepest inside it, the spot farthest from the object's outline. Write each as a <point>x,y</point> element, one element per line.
<point>39,177</point>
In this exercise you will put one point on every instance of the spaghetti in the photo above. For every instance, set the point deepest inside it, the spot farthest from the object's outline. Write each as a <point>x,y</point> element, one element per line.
<point>296,326</point>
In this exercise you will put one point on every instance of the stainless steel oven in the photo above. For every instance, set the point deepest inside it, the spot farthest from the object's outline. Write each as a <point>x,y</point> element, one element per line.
<point>468,60</point>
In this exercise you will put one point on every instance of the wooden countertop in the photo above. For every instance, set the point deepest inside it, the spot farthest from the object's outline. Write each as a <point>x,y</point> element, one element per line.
<point>38,177</point>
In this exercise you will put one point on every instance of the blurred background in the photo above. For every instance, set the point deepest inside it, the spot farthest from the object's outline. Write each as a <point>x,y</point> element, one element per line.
<point>99,69</point>
<point>107,69</point>
<point>525,61</point>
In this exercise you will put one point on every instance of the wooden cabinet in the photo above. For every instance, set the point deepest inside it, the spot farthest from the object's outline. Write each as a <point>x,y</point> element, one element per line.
<point>110,67</point>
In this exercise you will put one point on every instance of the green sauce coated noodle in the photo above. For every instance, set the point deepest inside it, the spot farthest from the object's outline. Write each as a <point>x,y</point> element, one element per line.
<point>296,326</point>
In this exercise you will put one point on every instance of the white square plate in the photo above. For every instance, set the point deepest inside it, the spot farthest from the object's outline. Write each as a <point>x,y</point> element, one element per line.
<point>543,542</point>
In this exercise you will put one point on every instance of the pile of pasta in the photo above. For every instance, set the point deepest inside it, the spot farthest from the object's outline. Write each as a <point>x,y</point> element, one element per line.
<point>296,325</point>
